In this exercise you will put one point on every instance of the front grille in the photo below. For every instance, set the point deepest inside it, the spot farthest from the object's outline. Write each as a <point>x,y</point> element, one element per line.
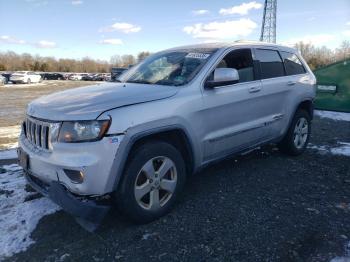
<point>37,132</point>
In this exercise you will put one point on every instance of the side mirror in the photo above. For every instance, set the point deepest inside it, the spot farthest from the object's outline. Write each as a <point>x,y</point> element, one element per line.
<point>222,77</point>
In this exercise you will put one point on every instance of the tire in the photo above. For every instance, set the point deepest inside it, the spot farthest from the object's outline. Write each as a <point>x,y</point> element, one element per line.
<point>136,181</point>
<point>297,137</point>
<point>29,81</point>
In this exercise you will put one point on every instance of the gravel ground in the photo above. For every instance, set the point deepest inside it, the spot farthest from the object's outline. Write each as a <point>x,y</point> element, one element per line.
<point>263,206</point>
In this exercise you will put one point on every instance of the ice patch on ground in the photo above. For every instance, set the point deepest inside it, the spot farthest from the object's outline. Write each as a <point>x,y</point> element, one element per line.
<point>8,154</point>
<point>18,218</point>
<point>333,115</point>
<point>341,259</point>
<point>346,257</point>
<point>342,149</point>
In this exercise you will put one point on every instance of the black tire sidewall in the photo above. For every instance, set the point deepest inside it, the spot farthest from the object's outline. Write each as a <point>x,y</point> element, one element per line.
<point>125,198</point>
<point>287,144</point>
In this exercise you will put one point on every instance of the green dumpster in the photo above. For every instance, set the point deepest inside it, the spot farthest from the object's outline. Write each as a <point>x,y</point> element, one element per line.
<point>333,87</point>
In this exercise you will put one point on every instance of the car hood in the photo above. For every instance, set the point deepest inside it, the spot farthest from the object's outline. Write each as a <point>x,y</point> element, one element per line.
<point>87,103</point>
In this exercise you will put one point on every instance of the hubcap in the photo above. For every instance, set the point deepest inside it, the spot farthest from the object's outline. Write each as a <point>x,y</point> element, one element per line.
<point>301,132</point>
<point>155,183</point>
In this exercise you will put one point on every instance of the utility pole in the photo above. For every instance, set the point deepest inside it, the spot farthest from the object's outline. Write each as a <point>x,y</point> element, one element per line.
<point>268,27</point>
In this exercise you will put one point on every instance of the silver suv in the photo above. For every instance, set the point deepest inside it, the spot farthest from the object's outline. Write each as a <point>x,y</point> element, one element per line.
<point>132,144</point>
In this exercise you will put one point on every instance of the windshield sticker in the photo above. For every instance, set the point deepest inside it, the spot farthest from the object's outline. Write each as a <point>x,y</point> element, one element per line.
<point>197,55</point>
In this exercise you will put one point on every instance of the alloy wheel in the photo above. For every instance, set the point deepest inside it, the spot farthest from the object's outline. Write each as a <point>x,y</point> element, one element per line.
<point>301,133</point>
<point>155,183</point>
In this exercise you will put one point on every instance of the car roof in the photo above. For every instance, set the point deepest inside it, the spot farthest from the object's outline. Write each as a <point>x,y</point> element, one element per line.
<point>239,43</point>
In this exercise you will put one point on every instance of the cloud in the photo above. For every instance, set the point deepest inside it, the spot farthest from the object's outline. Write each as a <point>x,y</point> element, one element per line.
<point>45,44</point>
<point>122,27</point>
<point>112,41</point>
<point>11,40</point>
<point>317,40</point>
<point>221,30</point>
<point>200,12</point>
<point>77,2</point>
<point>348,23</point>
<point>242,9</point>
<point>346,33</point>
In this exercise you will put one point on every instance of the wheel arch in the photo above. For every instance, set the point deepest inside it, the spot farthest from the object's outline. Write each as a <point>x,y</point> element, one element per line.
<point>307,105</point>
<point>175,135</point>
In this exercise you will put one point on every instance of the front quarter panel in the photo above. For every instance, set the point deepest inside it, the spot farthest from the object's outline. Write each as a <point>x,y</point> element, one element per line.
<point>177,112</point>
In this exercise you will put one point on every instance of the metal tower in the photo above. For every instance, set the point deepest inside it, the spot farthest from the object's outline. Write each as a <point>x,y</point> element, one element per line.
<point>268,27</point>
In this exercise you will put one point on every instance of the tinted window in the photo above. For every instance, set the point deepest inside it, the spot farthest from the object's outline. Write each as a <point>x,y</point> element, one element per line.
<point>242,61</point>
<point>292,63</point>
<point>270,63</point>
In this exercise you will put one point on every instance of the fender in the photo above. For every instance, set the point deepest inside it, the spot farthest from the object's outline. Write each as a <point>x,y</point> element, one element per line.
<point>133,135</point>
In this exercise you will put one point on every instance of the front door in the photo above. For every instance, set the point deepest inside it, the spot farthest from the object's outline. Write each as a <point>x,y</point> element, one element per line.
<point>235,115</point>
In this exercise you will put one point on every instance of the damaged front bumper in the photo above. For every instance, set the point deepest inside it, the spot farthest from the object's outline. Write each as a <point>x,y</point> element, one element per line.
<point>88,213</point>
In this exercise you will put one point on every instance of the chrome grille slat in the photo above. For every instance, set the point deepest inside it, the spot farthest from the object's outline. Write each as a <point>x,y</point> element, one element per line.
<point>32,126</point>
<point>37,135</point>
<point>37,132</point>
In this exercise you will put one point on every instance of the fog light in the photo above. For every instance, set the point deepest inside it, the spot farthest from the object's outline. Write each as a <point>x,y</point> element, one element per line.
<point>74,175</point>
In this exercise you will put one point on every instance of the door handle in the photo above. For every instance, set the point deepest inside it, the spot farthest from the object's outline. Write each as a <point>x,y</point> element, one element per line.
<point>291,83</point>
<point>254,89</point>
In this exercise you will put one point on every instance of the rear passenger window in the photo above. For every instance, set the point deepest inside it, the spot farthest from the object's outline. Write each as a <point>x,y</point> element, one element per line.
<point>242,61</point>
<point>292,63</point>
<point>270,63</point>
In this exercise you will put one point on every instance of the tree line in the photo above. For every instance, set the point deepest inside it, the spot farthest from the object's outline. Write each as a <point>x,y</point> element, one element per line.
<point>317,57</point>
<point>10,61</point>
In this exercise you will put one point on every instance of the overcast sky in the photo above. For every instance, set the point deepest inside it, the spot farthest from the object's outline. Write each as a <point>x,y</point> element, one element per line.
<point>102,28</point>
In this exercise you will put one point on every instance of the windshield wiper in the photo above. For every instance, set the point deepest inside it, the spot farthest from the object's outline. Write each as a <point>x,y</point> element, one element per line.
<point>139,82</point>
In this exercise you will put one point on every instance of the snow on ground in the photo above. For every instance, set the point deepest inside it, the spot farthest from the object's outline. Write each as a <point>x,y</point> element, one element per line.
<point>333,115</point>
<point>342,149</point>
<point>8,154</point>
<point>18,218</point>
<point>346,257</point>
<point>10,131</point>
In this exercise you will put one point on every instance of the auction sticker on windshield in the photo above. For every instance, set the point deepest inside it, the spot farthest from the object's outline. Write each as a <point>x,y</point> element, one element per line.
<point>197,55</point>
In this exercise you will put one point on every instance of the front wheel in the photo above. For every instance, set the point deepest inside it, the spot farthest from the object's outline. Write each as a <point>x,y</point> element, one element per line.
<point>298,134</point>
<point>151,183</point>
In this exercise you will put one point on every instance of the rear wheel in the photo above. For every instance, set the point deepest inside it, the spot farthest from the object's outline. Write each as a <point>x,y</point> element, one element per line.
<point>152,181</point>
<point>298,134</point>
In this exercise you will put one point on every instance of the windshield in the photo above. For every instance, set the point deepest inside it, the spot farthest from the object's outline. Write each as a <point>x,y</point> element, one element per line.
<point>174,68</point>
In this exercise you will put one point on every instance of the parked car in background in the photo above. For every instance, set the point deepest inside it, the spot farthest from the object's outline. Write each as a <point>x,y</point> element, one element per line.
<point>3,80</point>
<point>88,77</point>
<point>7,76</point>
<point>75,77</point>
<point>172,114</point>
<point>52,76</point>
<point>99,77</point>
<point>27,77</point>
<point>116,72</point>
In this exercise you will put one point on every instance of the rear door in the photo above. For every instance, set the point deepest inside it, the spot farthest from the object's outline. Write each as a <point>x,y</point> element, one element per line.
<point>276,89</point>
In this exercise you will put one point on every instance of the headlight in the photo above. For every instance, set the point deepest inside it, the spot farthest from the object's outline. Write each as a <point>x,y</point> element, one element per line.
<point>83,131</point>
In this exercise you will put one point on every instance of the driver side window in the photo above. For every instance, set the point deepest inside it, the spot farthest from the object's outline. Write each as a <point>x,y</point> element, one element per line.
<point>242,61</point>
